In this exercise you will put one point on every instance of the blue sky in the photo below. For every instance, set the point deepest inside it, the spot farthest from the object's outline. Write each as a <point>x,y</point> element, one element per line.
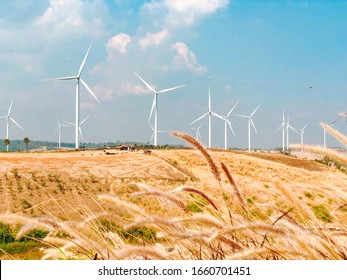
<point>268,52</point>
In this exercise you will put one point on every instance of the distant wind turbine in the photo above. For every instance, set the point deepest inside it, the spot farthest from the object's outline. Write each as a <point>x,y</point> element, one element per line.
<point>155,106</point>
<point>9,118</point>
<point>197,133</point>
<point>59,132</point>
<point>302,134</point>
<point>78,80</point>
<point>288,126</point>
<point>79,127</point>
<point>250,122</point>
<point>226,123</point>
<point>283,125</point>
<point>209,113</point>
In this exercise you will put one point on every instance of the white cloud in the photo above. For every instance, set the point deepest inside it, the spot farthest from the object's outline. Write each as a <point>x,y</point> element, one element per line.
<point>185,57</point>
<point>135,89</point>
<point>184,12</point>
<point>118,43</point>
<point>153,38</point>
<point>64,17</point>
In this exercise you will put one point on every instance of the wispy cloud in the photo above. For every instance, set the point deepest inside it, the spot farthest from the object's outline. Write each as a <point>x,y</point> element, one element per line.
<point>184,12</point>
<point>153,38</point>
<point>186,58</point>
<point>66,17</point>
<point>118,43</point>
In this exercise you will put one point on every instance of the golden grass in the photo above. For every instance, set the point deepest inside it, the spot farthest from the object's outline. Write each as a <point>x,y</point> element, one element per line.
<point>135,221</point>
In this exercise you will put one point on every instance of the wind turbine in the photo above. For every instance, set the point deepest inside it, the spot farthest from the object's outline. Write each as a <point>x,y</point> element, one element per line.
<point>226,123</point>
<point>79,127</point>
<point>59,132</point>
<point>155,106</point>
<point>9,118</point>
<point>209,113</point>
<point>288,126</point>
<point>283,125</point>
<point>250,122</point>
<point>302,134</point>
<point>197,132</point>
<point>78,80</point>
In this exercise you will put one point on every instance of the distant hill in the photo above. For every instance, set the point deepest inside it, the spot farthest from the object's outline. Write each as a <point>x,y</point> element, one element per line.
<point>19,145</point>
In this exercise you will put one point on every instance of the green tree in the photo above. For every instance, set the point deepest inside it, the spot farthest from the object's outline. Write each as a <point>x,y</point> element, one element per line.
<point>7,142</point>
<point>26,142</point>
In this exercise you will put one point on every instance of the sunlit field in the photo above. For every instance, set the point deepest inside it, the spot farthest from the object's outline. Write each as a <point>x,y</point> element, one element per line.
<point>186,204</point>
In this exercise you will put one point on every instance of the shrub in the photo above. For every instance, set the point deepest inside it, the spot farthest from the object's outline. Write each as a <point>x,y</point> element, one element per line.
<point>6,236</point>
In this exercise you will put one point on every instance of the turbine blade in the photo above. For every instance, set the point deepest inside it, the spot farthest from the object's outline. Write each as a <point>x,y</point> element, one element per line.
<point>304,126</point>
<point>255,110</point>
<point>84,61</point>
<point>61,78</point>
<point>70,123</point>
<point>153,106</point>
<point>292,128</point>
<point>9,110</point>
<point>5,117</point>
<point>218,116</point>
<point>84,120</point>
<point>90,91</point>
<point>169,89</point>
<point>279,127</point>
<point>231,128</point>
<point>147,85</point>
<point>242,116</point>
<point>209,99</point>
<point>253,126</point>
<point>204,115</point>
<point>16,123</point>
<point>151,126</point>
<point>232,109</point>
<point>80,130</point>
<point>199,126</point>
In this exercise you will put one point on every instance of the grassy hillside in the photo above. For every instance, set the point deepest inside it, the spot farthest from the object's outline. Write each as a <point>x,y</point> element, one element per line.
<point>173,204</point>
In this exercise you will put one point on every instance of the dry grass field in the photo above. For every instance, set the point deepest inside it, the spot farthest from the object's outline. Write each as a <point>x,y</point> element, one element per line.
<point>174,204</point>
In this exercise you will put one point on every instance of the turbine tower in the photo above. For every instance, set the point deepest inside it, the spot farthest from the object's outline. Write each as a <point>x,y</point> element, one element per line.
<point>226,123</point>
<point>78,80</point>
<point>250,122</point>
<point>9,118</point>
<point>155,106</point>
<point>209,113</point>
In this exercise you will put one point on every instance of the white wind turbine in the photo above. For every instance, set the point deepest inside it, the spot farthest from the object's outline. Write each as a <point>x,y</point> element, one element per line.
<point>78,80</point>
<point>197,133</point>
<point>9,118</point>
<point>59,132</point>
<point>155,106</point>
<point>283,125</point>
<point>250,122</point>
<point>288,126</point>
<point>79,127</point>
<point>226,123</point>
<point>209,113</point>
<point>302,134</point>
